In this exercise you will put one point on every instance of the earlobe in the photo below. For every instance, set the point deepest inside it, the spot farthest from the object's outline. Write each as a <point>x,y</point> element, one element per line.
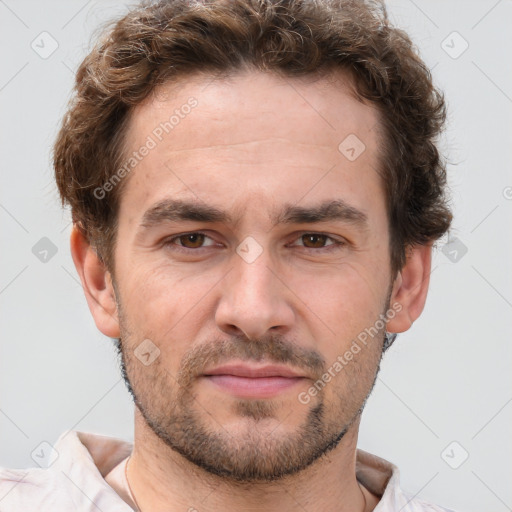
<point>97,284</point>
<point>410,288</point>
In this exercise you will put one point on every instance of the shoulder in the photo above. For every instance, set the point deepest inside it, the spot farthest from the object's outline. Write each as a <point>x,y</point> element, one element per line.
<point>73,479</point>
<point>20,488</point>
<point>382,478</point>
<point>412,504</point>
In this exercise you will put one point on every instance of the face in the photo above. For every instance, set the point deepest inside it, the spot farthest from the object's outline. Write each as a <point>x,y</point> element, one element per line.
<point>252,253</point>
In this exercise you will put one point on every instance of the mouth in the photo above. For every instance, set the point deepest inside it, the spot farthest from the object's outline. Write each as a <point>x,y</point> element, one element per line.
<point>247,381</point>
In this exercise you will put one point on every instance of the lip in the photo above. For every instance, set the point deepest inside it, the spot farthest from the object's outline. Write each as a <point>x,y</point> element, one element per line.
<point>253,372</point>
<point>246,381</point>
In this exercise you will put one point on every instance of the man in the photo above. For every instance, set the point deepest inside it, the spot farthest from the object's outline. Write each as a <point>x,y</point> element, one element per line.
<point>255,191</point>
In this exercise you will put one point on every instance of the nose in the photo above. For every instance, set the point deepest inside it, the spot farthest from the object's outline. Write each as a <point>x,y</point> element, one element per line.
<point>254,299</point>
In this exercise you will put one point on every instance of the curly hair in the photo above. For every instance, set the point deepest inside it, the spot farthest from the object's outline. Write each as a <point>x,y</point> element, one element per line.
<point>160,41</point>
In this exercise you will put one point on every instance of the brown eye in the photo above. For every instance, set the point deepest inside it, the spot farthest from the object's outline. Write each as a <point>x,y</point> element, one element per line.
<point>314,240</point>
<point>190,243</point>
<point>191,240</point>
<point>318,242</point>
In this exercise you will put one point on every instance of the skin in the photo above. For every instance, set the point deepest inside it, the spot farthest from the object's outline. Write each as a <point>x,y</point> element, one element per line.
<point>253,143</point>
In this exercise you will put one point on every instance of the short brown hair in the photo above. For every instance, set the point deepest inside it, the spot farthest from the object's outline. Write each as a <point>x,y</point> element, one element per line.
<point>160,41</point>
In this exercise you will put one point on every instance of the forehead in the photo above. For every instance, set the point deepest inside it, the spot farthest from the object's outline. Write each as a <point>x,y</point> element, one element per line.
<point>249,137</point>
<point>312,109</point>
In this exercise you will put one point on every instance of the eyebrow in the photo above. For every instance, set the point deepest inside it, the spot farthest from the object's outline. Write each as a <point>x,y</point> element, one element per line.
<point>176,210</point>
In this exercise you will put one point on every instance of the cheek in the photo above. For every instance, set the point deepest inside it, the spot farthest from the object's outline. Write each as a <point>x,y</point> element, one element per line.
<point>162,304</point>
<point>343,296</point>
<point>337,306</point>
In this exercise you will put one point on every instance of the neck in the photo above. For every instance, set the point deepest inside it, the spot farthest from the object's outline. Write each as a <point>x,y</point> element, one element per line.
<point>163,480</point>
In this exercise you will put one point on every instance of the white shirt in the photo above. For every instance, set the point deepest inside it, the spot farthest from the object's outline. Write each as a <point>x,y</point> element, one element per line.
<point>88,476</point>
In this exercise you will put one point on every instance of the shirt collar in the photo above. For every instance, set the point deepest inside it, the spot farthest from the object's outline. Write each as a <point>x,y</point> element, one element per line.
<point>85,459</point>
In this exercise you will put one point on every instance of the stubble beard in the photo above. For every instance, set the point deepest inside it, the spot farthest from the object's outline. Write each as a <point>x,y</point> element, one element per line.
<point>170,409</point>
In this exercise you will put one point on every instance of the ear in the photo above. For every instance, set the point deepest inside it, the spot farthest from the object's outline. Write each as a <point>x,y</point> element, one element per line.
<point>97,284</point>
<point>410,288</point>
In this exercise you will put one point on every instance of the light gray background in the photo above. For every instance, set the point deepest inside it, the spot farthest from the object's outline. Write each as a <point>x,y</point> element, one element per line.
<point>447,379</point>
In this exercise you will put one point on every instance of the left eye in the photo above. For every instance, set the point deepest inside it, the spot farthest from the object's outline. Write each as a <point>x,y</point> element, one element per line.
<point>317,240</point>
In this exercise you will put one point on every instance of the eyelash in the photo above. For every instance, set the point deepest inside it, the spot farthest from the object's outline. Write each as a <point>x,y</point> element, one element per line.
<point>337,244</point>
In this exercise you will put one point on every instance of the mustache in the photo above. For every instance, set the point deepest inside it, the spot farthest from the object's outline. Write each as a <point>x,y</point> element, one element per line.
<point>272,349</point>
